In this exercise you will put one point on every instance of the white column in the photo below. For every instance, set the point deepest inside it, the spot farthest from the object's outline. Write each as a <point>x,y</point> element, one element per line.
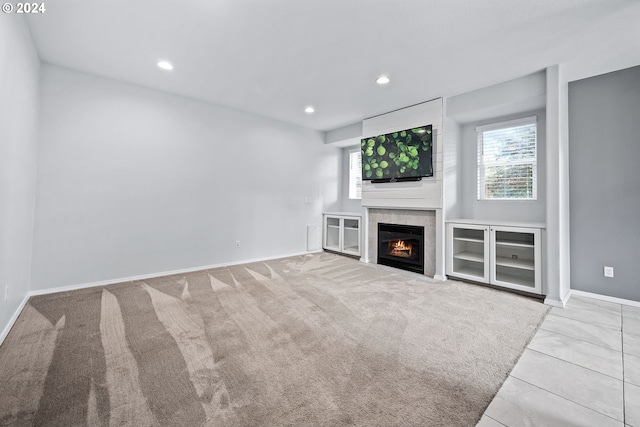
<point>440,242</point>
<point>365,238</point>
<point>557,275</point>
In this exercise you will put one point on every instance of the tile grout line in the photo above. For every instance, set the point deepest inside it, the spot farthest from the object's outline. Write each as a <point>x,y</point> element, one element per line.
<point>568,400</point>
<point>599,304</point>
<point>583,340</point>
<point>579,366</point>
<point>602,325</point>
<point>584,321</point>
<point>499,422</point>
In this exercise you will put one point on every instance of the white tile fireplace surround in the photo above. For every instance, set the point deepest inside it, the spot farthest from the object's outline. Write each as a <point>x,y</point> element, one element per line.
<point>425,218</point>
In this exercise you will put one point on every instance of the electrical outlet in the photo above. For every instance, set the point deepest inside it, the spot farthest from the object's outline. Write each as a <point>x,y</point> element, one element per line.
<point>608,271</point>
<point>6,293</point>
<point>237,243</point>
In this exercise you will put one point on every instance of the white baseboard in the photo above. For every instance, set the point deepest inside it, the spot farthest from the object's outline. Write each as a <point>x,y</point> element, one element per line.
<point>604,298</point>
<point>13,319</point>
<point>30,294</point>
<point>555,303</point>
<point>439,278</point>
<point>561,303</point>
<point>154,275</point>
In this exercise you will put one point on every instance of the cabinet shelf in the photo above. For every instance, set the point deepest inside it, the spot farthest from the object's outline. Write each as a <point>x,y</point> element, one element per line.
<point>514,243</point>
<point>469,239</point>
<point>470,256</point>
<point>468,270</point>
<point>524,264</point>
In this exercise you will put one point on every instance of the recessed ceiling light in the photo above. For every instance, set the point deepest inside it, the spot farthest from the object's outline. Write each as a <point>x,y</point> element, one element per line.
<point>165,65</point>
<point>309,109</point>
<point>382,80</point>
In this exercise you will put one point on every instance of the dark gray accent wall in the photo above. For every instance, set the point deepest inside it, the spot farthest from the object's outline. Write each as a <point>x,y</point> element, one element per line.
<point>604,176</point>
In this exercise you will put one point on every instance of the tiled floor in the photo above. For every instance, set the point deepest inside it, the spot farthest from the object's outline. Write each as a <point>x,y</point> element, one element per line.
<point>582,368</point>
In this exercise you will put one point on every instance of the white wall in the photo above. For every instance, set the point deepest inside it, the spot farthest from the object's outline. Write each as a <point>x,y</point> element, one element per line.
<point>19,68</point>
<point>345,136</point>
<point>133,181</point>
<point>526,93</point>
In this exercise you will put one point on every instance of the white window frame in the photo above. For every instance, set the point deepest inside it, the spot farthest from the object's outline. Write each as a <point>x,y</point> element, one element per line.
<point>355,176</point>
<point>480,161</point>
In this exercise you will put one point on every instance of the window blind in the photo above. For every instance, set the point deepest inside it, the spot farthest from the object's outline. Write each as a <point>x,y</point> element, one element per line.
<point>507,160</point>
<point>355,175</point>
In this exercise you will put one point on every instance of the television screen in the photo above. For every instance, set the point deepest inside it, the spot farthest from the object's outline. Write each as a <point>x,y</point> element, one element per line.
<point>402,155</point>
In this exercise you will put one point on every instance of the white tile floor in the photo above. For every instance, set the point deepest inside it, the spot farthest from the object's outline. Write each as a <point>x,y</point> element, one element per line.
<point>582,368</point>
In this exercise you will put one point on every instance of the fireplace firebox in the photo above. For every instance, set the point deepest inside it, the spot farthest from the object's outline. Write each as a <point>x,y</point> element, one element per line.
<point>401,246</point>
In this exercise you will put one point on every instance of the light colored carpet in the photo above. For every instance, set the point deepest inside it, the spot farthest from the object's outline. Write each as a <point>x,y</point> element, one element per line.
<point>316,340</point>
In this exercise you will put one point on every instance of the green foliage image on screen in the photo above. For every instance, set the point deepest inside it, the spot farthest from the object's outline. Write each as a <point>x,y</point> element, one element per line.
<point>402,154</point>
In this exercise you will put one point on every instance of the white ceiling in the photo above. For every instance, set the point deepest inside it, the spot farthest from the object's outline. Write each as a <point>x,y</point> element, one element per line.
<point>274,57</point>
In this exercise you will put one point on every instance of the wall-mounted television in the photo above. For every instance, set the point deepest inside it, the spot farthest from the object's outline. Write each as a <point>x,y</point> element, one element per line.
<point>398,156</point>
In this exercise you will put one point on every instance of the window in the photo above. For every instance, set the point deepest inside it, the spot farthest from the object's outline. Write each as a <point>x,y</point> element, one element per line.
<point>355,174</point>
<point>507,160</point>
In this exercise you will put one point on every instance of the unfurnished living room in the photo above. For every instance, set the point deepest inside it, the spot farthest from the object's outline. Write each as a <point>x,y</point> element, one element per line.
<point>320,213</point>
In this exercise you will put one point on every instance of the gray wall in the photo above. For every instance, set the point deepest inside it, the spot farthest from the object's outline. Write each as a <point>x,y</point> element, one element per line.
<point>133,181</point>
<point>604,150</point>
<point>19,69</point>
<point>498,210</point>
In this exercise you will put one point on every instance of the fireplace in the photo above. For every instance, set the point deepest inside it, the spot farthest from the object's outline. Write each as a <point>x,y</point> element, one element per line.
<point>401,246</point>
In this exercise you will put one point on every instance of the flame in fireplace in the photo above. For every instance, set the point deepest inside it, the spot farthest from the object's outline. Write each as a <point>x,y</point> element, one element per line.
<point>400,248</point>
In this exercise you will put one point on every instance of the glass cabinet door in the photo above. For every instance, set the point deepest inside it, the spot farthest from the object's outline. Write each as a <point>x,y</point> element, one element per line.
<point>332,233</point>
<point>516,258</point>
<point>468,251</point>
<point>351,236</point>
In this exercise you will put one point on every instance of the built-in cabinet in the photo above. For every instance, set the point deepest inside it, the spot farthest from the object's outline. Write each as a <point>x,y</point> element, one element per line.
<point>342,233</point>
<point>508,256</point>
